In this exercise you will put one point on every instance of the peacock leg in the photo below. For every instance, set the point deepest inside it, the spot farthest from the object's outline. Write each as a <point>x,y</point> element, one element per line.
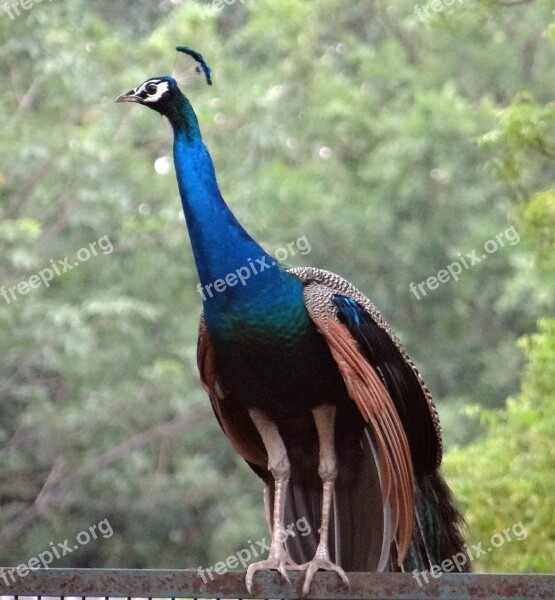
<point>324,416</point>
<point>268,514</point>
<point>279,466</point>
<point>268,508</point>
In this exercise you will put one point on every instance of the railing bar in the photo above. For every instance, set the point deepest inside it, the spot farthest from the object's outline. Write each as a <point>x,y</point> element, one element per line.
<point>62,584</point>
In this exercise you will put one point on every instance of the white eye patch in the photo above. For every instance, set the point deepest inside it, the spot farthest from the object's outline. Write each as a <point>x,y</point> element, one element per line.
<point>161,88</point>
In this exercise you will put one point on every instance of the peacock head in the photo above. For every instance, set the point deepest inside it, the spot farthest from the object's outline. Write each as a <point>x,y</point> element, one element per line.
<point>162,93</point>
<point>157,93</point>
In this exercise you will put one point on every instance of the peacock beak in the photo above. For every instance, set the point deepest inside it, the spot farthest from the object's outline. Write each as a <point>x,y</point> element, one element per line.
<point>130,96</point>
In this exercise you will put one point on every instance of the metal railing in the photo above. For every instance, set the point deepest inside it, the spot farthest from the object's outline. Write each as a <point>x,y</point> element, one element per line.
<point>105,584</point>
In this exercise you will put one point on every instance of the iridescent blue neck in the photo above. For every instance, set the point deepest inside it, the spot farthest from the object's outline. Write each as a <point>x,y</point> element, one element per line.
<point>224,252</point>
<point>220,244</point>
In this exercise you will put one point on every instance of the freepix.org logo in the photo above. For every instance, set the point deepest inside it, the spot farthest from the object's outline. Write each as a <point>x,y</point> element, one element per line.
<point>56,551</point>
<point>254,267</point>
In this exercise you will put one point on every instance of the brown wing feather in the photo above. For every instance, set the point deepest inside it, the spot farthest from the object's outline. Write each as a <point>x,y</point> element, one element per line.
<point>424,458</point>
<point>233,417</point>
<point>376,406</point>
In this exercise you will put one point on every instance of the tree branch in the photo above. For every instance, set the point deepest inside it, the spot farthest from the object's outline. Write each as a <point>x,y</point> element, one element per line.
<point>56,487</point>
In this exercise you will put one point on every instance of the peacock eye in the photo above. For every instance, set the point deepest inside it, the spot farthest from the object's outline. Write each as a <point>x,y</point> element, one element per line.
<point>151,88</point>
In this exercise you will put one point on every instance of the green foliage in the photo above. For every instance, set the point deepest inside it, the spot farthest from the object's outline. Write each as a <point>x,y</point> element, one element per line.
<point>526,132</point>
<point>508,477</point>
<point>353,124</point>
<point>540,217</point>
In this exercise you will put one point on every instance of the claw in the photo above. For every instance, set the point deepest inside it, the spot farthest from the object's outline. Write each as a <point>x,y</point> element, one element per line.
<point>313,566</point>
<point>270,563</point>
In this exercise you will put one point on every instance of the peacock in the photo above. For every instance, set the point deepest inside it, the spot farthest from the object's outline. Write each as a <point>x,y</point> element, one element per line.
<point>312,388</point>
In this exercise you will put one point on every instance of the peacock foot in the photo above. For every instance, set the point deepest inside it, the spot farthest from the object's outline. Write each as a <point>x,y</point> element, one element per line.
<point>313,566</point>
<point>279,563</point>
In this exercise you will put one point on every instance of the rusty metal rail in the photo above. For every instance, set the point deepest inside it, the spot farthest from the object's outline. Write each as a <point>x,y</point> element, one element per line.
<point>145,583</point>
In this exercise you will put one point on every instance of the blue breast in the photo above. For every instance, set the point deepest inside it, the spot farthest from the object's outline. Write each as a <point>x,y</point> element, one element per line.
<point>246,295</point>
<point>267,309</point>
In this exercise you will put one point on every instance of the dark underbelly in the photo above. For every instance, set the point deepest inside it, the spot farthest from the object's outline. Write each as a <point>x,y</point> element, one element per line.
<point>287,379</point>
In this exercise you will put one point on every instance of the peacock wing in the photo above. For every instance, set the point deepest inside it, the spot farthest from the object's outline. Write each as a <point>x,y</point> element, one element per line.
<point>233,417</point>
<point>385,386</point>
<point>382,349</point>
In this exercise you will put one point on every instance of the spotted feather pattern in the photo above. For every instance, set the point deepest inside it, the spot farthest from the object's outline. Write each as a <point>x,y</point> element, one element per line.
<point>338,285</point>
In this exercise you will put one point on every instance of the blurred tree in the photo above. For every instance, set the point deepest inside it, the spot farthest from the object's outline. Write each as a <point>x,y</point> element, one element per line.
<point>508,476</point>
<point>353,124</point>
